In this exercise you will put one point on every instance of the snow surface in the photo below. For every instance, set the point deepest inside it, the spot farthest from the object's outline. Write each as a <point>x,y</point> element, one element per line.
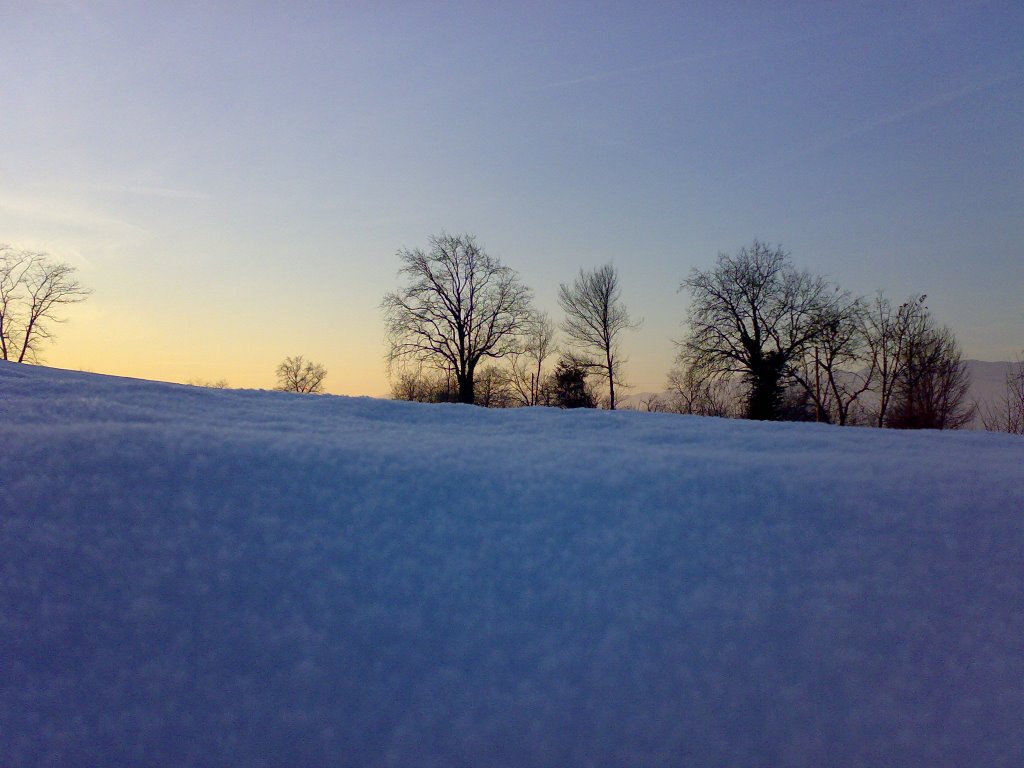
<point>217,578</point>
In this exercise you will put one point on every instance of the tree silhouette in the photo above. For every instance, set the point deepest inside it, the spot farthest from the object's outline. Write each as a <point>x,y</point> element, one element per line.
<point>526,364</point>
<point>594,320</point>
<point>931,390</point>
<point>754,315</point>
<point>1007,415</point>
<point>570,388</point>
<point>460,305</point>
<point>298,375</point>
<point>33,288</point>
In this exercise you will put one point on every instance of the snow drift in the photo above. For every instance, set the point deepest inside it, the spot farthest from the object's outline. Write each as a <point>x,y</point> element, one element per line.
<point>214,578</point>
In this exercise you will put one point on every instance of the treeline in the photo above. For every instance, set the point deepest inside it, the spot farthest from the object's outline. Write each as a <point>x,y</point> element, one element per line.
<point>566,386</point>
<point>763,340</point>
<point>462,312</point>
<point>801,348</point>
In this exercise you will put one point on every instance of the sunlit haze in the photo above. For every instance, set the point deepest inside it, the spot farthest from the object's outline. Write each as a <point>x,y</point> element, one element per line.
<point>233,180</point>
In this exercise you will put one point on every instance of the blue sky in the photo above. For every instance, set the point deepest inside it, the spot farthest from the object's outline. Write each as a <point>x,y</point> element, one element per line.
<point>234,181</point>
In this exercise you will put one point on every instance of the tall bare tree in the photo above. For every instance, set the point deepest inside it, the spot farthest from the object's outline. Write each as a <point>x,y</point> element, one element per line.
<point>595,318</point>
<point>834,371</point>
<point>888,330</point>
<point>460,305</point>
<point>755,315</point>
<point>917,374</point>
<point>296,374</point>
<point>931,391</point>
<point>33,289</point>
<point>526,365</point>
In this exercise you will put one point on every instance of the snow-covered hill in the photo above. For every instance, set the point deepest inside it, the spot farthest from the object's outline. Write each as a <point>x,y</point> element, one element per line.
<point>223,578</point>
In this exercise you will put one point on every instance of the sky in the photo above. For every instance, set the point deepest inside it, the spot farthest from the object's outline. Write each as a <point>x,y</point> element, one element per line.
<point>233,180</point>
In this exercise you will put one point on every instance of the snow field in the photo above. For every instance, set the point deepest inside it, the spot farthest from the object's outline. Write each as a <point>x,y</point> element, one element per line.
<point>206,577</point>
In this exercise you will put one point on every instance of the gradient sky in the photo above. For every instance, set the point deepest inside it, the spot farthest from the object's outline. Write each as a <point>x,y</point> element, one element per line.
<point>233,179</point>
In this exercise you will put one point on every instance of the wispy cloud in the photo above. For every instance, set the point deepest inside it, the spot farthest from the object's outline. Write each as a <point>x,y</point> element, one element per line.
<point>169,193</point>
<point>63,213</point>
<point>66,228</point>
<point>912,110</point>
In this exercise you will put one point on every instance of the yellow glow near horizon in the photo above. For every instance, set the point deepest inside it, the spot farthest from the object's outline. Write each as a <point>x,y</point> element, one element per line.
<point>97,340</point>
<point>90,342</point>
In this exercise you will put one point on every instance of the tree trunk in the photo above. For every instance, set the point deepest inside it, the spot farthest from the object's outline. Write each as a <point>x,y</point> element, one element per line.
<point>766,387</point>
<point>611,380</point>
<point>466,389</point>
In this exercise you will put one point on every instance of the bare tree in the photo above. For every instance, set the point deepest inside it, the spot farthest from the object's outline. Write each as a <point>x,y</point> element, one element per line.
<point>888,331</point>
<point>652,403</point>
<point>460,306</point>
<point>1007,415</point>
<point>698,393</point>
<point>917,374</point>
<point>834,371</point>
<point>298,375</point>
<point>493,389</point>
<point>33,288</point>
<point>594,320</point>
<point>931,391</point>
<point>409,385</point>
<point>423,386</point>
<point>206,383</point>
<point>526,365</point>
<point>755,315</point>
